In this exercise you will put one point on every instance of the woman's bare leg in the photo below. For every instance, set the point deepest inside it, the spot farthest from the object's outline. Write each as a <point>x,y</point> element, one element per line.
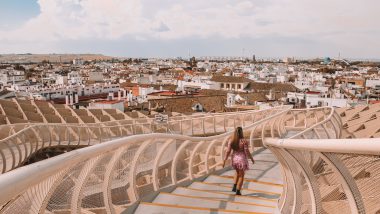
<point>236,177</point>
<point>235,181</point>
<point>240,180</point>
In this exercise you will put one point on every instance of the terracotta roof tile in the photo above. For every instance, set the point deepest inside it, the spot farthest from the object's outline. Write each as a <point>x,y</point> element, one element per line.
<point>258,86</point>
<point>230,79</point>
<point>184,104</point>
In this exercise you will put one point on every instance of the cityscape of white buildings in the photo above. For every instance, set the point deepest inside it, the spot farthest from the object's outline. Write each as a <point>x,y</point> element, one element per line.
<point>301,83</point>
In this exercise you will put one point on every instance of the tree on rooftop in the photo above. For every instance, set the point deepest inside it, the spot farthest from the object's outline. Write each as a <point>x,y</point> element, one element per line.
<point>128,61</point>
<point>18,67</point>
<point>45,62</point>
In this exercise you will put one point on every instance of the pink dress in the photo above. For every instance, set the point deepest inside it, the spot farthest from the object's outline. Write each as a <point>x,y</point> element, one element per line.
<point>239,157</point>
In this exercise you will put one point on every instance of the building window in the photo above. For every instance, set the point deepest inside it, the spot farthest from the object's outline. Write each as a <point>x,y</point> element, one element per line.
<point>239,86</point>
<point>222,85</point>
<point>227,86</point>
<point>233,86</point>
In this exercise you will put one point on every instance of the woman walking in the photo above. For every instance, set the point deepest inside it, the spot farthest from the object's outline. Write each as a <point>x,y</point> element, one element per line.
<point>240,154</point>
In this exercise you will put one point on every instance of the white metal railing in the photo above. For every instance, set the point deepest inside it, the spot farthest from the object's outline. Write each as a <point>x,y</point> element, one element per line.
<point>325,174</point>
<point>328,126</point>
<point>114,175</point>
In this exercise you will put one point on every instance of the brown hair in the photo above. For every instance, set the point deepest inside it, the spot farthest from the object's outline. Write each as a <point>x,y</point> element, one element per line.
<point>238,135</point>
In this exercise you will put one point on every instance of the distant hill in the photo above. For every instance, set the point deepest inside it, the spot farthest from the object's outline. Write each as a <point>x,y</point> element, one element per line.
<point>36,58</point>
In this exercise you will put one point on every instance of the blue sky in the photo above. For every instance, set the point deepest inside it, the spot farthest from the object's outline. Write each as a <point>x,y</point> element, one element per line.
<point>14,13</point>
<point>169,28</point>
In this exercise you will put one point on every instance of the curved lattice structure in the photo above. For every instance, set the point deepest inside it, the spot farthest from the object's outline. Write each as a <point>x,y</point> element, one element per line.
<point>325,174</point>
<point>321,173</point>
<point>19,147</point>
<point>113,175</point>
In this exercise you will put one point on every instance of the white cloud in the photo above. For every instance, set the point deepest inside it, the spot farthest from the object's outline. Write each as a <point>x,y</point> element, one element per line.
<point>78,19</point>
<point>322,20</point>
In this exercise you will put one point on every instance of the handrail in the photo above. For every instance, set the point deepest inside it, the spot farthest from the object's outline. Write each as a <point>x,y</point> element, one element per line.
<point>46,172</point>
<point>315,125</point>
<point>363,146</point>
<point>332,111</point>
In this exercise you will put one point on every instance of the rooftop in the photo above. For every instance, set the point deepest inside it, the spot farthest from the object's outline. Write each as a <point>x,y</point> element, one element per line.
<point>109,101</point>
<point>231,79</point>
